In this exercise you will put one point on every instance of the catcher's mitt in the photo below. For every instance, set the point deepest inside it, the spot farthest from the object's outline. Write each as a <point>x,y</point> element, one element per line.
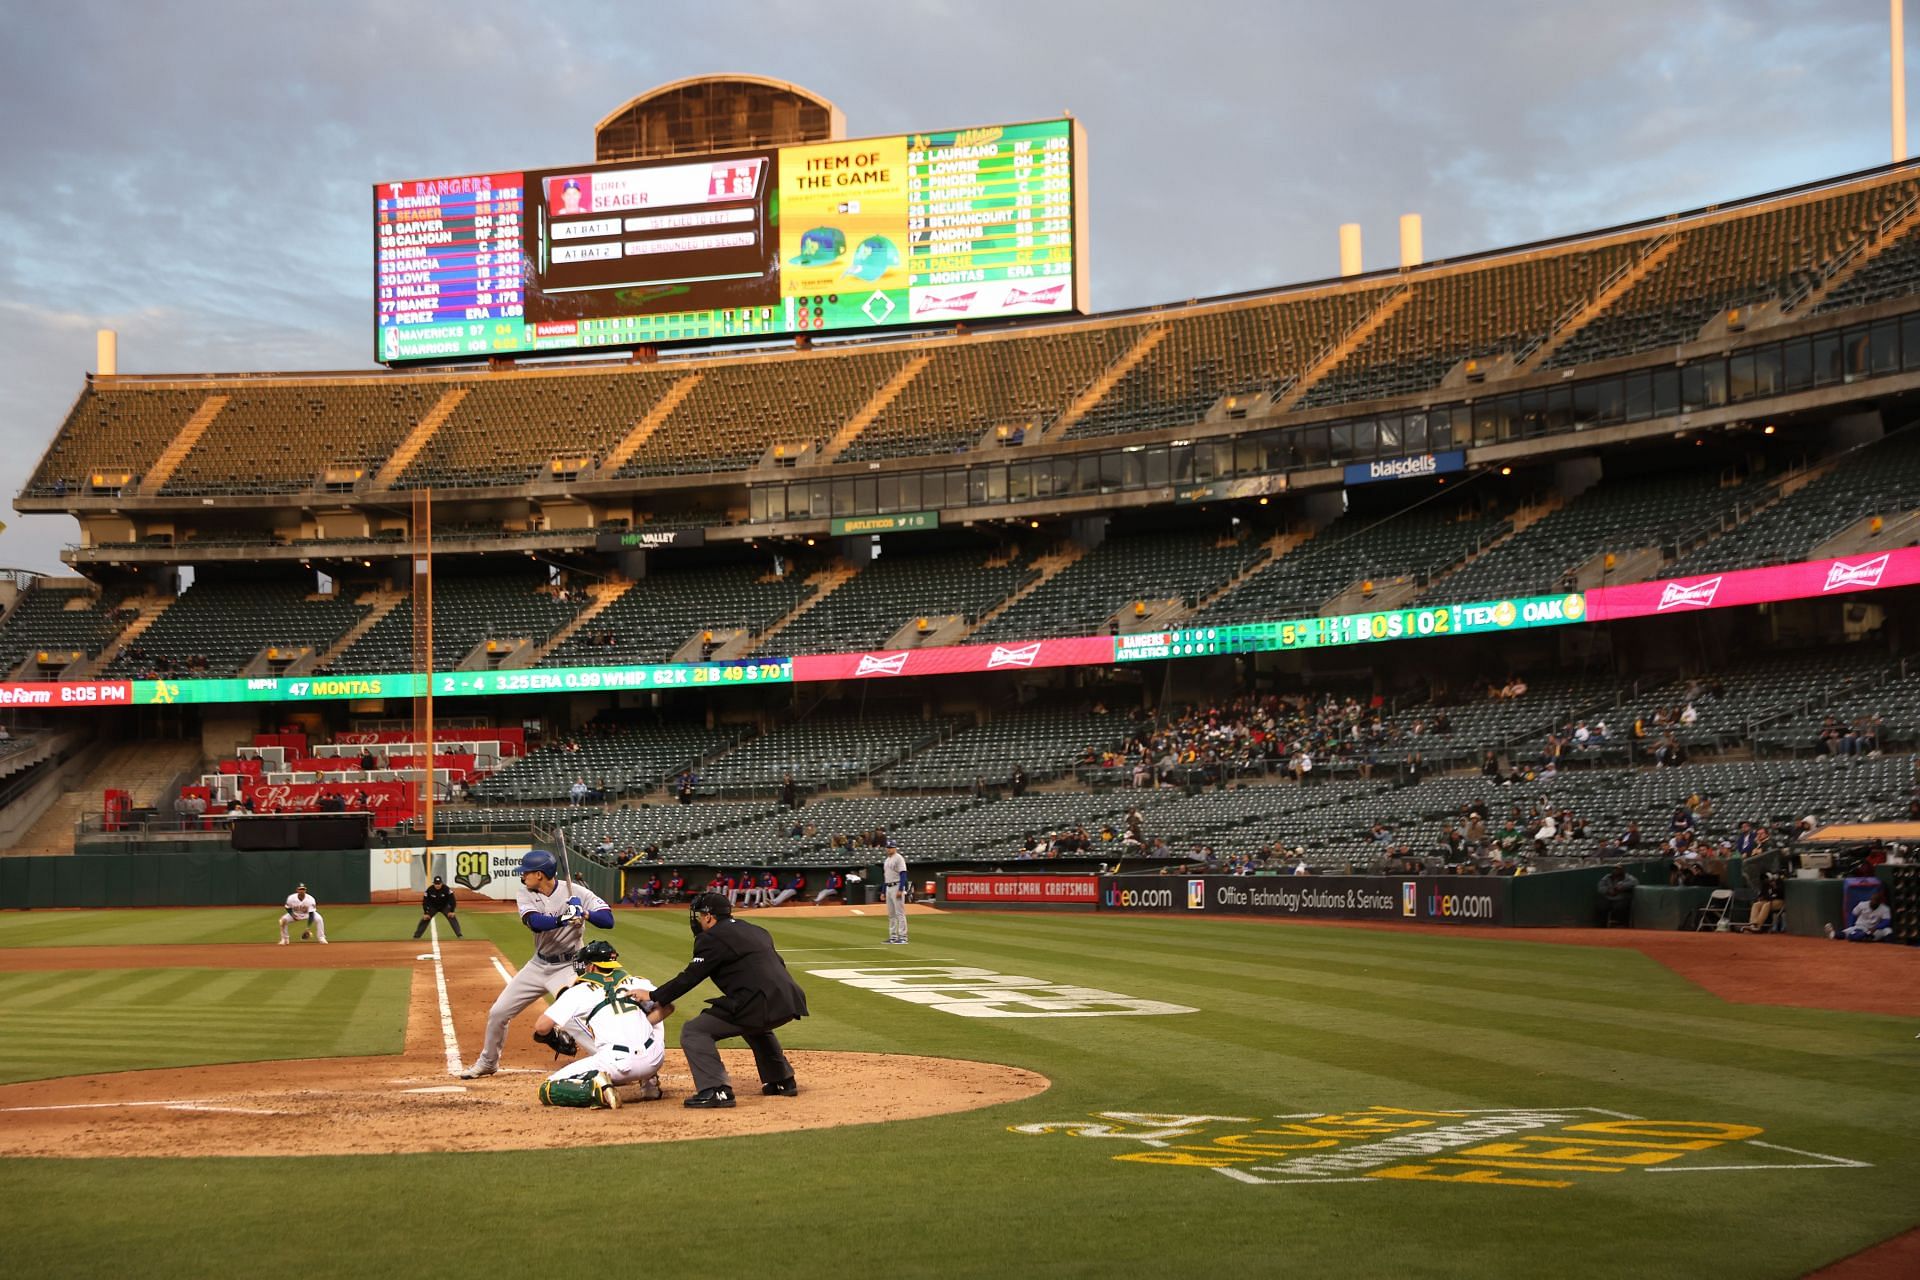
<point>557,1040</point>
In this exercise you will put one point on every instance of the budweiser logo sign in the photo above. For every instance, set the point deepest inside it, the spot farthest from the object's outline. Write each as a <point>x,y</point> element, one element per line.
<point>1034,298</point>
<point>1865,574</point>
<point>881,664</point>
<point>946,302</point>
<point>1698,595</point>
<point>1013,656</point>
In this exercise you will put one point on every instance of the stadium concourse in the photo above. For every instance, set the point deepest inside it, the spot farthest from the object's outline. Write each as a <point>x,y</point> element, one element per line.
<point>725,612</point>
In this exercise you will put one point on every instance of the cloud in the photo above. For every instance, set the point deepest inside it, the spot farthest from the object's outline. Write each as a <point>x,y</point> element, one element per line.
<point>199,174</point>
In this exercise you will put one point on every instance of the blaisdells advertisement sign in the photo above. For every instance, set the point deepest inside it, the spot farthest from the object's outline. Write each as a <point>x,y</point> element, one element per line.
<point>1895,567</point>
<point>960,889</point>
<point>1417,899</point>
<point>1420,464</point>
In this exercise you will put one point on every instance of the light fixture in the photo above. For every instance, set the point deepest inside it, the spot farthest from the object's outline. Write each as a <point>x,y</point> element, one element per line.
<point>1767,430</point>
<point>1506,471</point>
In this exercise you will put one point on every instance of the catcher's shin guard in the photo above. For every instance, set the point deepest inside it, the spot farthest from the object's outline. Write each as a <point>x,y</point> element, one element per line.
<point>581,1091</point>
<point>578,1092</point>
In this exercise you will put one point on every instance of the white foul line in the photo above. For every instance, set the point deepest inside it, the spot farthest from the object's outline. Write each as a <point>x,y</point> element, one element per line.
<point>505,977</point>
<point>446,1010</point>
<point>179,1105</point>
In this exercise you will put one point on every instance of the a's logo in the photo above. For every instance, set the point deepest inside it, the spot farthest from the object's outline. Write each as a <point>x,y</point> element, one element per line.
<point>955,302</point>
<point>1196,895</point>
<point>1574,607</point>
<point>1036,298</point>
<point>1517,1147</point>
<point>1504,613</point>
<point>881,664</point>
<point>164,692</point>
<point>1013,656</point>
<point>1698,596</point>
<point>1865,574</point>
<point>1409,898</point>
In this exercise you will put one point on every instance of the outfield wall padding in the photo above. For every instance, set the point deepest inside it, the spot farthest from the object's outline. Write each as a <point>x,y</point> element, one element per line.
<point>216,878</point>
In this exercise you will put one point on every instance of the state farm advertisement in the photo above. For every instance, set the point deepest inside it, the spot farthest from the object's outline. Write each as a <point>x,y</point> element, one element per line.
<point>1072,651</point>
<point>1050,890</point>
<point>1896,567</point>
<point>66,693</point>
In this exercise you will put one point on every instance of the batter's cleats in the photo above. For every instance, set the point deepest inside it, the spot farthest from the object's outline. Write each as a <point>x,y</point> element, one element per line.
<point>718,1096</point>
<point>784,1089</point>
<point>603,1089</point>
<point>478,1070</point>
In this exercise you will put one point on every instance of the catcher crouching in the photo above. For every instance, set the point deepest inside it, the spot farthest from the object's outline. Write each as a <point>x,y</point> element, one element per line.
<point>621,1033</point>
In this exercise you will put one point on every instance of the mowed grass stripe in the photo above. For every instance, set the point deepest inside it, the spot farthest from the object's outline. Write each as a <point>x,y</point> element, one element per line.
<point>209,1016</point>
<point>1490,965</point>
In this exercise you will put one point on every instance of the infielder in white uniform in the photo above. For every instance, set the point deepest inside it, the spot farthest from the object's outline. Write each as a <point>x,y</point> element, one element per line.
<point>558,912</point>
<point>894,874</point>
<point>621,1032</point>
<point>302,907</point>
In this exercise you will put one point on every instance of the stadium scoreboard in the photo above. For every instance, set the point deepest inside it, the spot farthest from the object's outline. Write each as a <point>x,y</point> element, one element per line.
<point>830,237</point>
<point>1352,628</point>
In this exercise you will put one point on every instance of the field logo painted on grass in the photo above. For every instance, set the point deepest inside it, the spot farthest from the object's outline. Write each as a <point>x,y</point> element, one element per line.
<point>981,993</point>
<point>1551,1148</point>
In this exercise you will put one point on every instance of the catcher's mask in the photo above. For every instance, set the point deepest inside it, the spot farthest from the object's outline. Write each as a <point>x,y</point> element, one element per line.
<point>594,955</point>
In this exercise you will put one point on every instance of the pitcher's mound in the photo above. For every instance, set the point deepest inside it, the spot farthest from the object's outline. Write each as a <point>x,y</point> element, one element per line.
<point>389,1105</point>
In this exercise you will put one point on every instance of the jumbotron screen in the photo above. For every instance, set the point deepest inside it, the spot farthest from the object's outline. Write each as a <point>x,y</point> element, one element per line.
<point>866,233</point>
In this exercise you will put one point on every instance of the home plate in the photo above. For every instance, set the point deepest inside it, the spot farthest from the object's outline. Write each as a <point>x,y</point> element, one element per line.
<point>438,1088</point>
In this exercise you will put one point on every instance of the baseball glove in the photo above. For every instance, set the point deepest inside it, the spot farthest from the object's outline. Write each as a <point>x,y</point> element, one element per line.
<point>557,1040</point>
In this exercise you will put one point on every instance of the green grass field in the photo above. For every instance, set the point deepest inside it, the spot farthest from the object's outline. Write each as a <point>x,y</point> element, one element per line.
<point>1291,1021</point>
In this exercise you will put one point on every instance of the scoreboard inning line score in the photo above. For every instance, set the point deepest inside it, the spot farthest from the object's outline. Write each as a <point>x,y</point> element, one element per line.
<point>930,228</point>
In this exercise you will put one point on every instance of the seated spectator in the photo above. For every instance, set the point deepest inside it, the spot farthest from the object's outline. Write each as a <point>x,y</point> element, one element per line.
<point>1769,908</point>
<point>1872,921</point>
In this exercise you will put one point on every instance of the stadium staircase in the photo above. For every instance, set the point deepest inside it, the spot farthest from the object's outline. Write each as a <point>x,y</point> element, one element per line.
<point>1278,545</point>
<point>1864,252</point>
<point>182,444</point>
<point>1107,381</point>
<point>417,439</point>
<point>824,584</point>
<point>145,770</point>
<point>150,607</point>
<point>876,404</point>
<point>1609,293</point>
<point>643,430</point>
<point>1048,567</point>
<point>604,595</point>
<point>1330,359</point>
<point>379,605</point>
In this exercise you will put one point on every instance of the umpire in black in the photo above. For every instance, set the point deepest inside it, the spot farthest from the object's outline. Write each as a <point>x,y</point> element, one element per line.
<point>757,994</point>
<point>438,897</point>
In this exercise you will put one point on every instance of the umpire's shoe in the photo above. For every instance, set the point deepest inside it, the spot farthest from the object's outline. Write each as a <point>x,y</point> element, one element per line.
<point>787,1088</point>
<point>718,1096</point>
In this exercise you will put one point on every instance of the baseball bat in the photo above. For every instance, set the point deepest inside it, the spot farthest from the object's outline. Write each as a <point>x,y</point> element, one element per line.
<point>566,861</point>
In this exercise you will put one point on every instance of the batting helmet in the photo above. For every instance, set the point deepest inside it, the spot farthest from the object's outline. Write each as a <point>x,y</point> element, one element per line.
<point>538,860</point>
<point>596,954</point>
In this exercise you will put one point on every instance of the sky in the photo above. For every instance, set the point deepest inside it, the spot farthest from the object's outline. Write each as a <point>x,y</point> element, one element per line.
<point>196,174</point>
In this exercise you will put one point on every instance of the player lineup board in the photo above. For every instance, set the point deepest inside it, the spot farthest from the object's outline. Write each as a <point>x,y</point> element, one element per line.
<point>932,228</point>
<point>1353,628</point>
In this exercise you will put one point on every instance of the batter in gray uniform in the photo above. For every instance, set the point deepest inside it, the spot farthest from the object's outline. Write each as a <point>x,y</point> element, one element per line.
<point>558,912</point>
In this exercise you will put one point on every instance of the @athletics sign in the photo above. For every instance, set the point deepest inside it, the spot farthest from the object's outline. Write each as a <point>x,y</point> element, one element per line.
<point>1543,1148</point>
